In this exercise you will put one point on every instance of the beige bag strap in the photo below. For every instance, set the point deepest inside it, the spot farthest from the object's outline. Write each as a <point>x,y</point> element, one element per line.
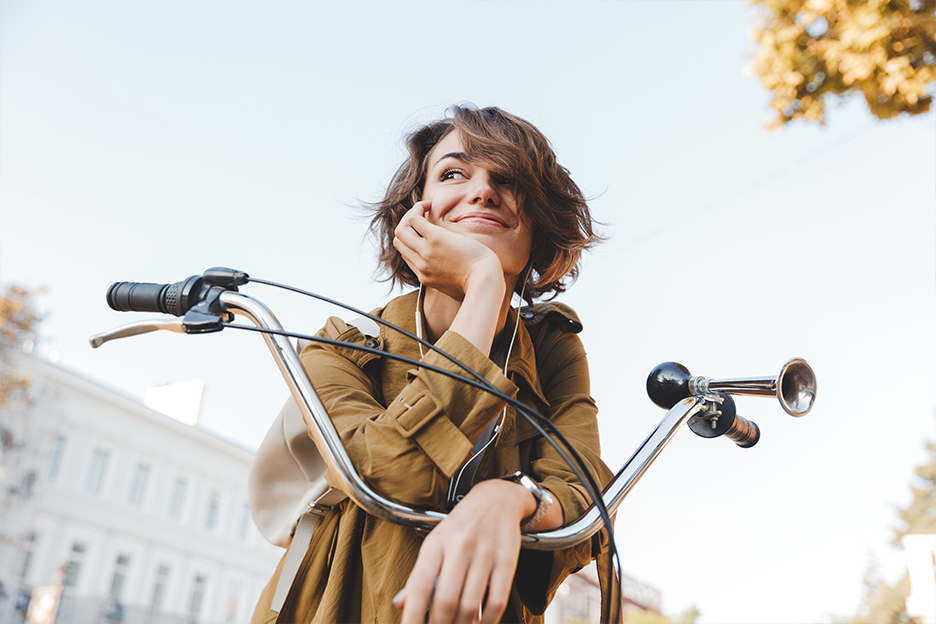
<point>301,540</point>
<point>287,474</point>
<point>286,486</point>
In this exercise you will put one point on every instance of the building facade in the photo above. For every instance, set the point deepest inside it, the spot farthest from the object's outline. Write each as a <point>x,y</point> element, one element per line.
<point>144,518</point>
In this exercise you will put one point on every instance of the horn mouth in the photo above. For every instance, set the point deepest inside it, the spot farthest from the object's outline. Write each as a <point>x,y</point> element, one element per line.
<point>796,387</point>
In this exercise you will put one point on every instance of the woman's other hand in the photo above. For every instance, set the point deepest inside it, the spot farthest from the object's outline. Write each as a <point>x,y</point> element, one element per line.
<point>473,553</point>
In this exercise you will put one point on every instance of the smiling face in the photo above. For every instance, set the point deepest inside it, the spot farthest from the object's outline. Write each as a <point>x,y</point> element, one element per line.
<point>467,199</point>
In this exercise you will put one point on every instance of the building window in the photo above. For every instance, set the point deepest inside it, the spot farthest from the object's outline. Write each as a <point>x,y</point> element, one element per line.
<point>244,525</point>
<point>27,557</point>
<point>229,613</point>
<point>177,501</point>
<point>198,591</point>
<point>29,480</point>
<point>159,587</point>
<point>120,573</point>
<point>73,567</point>
<point>214,504</point>
<point>138,485</point>
<point>94,480</point>
<point>55,457</point>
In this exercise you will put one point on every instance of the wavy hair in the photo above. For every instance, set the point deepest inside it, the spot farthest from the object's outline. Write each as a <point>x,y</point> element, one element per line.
<point>514,150</point>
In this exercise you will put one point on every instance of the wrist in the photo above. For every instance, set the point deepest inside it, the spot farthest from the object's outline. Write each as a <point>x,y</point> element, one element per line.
<point>541,498</point>
<point>487,279</point>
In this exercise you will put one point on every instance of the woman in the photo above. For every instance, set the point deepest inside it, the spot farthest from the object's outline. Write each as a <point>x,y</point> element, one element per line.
<point>480,211</point>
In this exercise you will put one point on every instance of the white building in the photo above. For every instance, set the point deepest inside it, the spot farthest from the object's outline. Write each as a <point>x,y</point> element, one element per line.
<point>578,599</point>
<point>146,516</point>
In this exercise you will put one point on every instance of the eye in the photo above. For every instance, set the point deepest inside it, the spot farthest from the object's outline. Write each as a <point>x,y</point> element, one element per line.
<point>452,174</point>
<point>500,180</point>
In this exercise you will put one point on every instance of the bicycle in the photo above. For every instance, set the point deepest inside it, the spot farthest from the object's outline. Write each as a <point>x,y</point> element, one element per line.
<point>208,303</point>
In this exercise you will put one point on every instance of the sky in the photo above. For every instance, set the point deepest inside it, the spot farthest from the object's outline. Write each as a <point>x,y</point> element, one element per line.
<point>149,141</point>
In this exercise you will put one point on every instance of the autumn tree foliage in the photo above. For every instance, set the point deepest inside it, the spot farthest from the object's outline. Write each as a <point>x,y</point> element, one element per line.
<point>19,321</point>
<point>810,49</point>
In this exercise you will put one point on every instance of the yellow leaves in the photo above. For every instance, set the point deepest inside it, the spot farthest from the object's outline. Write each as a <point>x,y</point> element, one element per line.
<point>885,49</point>
<point>859,66</point>
<point>819,7</point>
<point>17,314</point>
<point>897,74</point>
<point>18,321</point>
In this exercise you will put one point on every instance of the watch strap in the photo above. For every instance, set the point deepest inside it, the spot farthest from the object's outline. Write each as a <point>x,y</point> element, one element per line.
<point>544,499</point>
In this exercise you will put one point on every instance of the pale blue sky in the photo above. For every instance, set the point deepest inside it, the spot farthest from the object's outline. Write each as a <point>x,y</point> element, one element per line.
<point>151,140</point>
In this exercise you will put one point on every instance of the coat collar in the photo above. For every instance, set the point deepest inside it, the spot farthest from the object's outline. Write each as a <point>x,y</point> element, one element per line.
<point>402,312</point>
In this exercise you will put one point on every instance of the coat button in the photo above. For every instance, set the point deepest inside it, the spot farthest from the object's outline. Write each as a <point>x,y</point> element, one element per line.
<point>372,342</point>
<point>526,313</point>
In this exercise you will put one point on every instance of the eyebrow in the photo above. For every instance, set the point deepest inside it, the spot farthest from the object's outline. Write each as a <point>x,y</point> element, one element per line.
<point>462,156</point>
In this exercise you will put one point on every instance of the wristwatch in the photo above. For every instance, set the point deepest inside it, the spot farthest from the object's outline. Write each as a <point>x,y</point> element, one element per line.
<point>543,499</point>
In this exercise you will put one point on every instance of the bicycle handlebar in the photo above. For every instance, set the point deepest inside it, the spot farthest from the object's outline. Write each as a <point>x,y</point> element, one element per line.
<point>180,297</point>
<point>175,299</point>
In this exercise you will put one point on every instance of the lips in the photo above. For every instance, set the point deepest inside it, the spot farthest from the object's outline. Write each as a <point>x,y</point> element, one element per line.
<point>482,218</point>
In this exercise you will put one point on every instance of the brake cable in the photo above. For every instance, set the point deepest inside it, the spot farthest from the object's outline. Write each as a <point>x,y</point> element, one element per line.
<point>587,479</point>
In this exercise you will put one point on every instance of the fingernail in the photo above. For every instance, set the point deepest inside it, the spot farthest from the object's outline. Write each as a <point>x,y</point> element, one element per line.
<point>398,599</point>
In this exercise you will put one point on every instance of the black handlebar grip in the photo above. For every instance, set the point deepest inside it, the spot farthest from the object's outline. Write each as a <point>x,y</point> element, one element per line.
<point>729,423</point>
<point>175,299</point>
<point>744,433</point>
<point>136,297</point>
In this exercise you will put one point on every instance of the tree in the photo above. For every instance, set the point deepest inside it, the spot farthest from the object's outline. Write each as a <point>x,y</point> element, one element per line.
<point>809,49</point>
<point>884,602</point>
<point>19,321</point>
<point>920,515</point>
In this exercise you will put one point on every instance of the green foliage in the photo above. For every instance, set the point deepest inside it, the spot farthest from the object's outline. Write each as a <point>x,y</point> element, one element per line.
<point>882,602</point>
<point>920,515</point>
<point>809,49</point>
<point>19,321</point>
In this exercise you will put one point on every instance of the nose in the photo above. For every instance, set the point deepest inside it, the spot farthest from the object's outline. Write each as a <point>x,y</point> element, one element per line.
<point>484,191</point>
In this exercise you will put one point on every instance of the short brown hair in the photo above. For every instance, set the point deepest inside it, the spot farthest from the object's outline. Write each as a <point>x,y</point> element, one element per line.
<point>516,151</point>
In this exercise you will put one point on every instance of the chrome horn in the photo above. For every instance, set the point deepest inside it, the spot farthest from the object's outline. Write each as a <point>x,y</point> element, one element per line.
<point>794,386</point>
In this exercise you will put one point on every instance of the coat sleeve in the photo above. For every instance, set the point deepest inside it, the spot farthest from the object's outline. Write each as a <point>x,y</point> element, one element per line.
<point>409,450</point>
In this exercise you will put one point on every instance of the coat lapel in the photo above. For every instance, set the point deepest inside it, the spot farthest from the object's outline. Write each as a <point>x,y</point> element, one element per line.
<point>521,369</point>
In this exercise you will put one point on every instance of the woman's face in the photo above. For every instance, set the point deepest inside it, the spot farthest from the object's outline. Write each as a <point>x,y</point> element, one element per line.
<point>466,199</point>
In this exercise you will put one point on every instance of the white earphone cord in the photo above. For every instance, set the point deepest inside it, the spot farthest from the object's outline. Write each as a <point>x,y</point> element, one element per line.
<point>453,484</point>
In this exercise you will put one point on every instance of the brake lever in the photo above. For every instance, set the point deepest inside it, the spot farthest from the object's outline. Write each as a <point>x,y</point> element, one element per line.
<point>135,329</point>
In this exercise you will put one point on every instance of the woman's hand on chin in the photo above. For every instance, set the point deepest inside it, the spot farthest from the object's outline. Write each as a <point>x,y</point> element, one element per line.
<point>442,259</point>
<point>473,553</point>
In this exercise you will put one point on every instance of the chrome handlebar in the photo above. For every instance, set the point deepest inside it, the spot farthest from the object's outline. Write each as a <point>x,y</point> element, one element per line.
<point>329,444</point>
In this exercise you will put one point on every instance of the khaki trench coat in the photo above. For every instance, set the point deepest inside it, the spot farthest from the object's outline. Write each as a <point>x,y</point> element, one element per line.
<point>409,431</point>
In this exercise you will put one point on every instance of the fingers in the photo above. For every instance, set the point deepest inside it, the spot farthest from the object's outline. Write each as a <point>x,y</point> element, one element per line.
<point>462,583</point>
<point>410,238</point>
<point>413,220</point>
<point>418,592</point>
<point>476,585</point>
<point>498,592</point>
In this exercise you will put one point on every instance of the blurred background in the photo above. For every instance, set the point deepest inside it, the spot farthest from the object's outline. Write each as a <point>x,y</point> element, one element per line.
<point>148,141</point>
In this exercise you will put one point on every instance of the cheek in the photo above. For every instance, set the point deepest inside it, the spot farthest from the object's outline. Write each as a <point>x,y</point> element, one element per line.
<point>440,203</point>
